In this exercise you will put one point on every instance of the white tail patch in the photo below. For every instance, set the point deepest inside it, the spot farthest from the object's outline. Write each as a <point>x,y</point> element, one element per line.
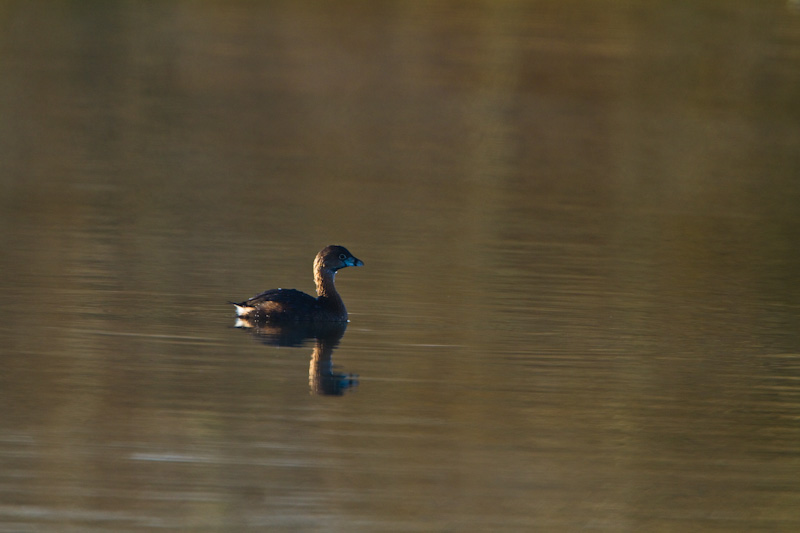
<point>242,310</point>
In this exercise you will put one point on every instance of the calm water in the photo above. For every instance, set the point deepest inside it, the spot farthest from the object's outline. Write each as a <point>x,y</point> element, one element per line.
<point>581,300</point>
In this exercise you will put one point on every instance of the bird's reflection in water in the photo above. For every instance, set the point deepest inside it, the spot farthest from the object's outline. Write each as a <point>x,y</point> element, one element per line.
<point>322,379</point>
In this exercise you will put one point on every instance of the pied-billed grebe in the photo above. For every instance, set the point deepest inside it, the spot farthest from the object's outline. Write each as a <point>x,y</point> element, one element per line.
<point>290,305</point>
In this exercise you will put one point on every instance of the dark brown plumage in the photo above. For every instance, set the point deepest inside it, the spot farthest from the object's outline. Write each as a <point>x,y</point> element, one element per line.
<point>290,305</point>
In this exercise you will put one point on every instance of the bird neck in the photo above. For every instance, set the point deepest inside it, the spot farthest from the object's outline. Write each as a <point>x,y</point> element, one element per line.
<point>326,291</point>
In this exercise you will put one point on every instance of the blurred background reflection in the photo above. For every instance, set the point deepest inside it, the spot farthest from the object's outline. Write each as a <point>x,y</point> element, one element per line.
<point>580,304</point>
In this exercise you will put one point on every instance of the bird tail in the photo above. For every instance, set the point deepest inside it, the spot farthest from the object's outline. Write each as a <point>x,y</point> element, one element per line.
<point>241,310</point>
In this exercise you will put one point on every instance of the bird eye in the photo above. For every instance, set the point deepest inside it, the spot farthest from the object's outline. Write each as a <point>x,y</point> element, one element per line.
<point>342,257</point>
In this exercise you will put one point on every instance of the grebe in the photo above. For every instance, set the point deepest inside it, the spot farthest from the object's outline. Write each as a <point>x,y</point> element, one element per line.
<point>290,305</point>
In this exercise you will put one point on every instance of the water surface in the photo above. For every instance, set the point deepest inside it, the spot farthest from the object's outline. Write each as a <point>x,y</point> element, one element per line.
<point>580,304</point>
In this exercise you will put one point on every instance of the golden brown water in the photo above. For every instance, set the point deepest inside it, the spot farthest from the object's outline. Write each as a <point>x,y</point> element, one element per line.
<point>580,306</point>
